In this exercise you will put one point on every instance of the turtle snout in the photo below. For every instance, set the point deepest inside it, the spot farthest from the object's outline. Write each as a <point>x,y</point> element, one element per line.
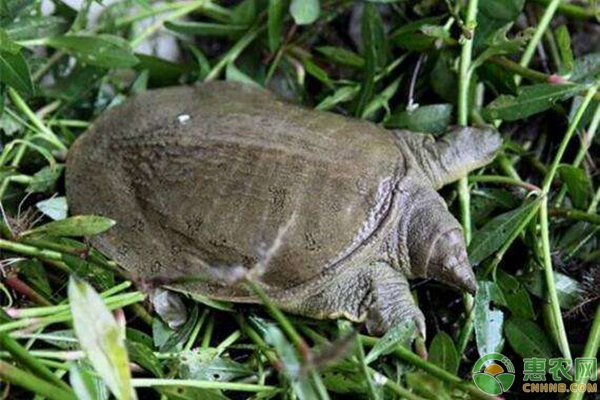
<point>449,262</point>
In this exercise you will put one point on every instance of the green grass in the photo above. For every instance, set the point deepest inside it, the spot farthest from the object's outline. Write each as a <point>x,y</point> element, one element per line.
<point>74,324</point>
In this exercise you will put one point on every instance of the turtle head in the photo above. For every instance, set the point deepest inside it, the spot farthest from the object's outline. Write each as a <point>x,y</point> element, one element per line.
<point>435,244</point>
<point>448,262</point>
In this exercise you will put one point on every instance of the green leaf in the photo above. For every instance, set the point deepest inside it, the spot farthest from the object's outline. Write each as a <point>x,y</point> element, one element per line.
<point>162,72</point>
<point>14,72</point>
<point>568,289</point>
<point>106,51</point>
<point>341,56</point>
<point>495,233</point>
<point>341,95</point>
<point>45,179</point>
<point>563,42</point>
<point>300,382</point>
<point>142,355</point>
<point>83,383</point>
<point>305,12</point>
<point>578,184</point>
<point>7,44</point>
<point>102,339</point>
<point>244,13</point>
<point>35,274</point>
<point>499,44</point>
<point>205,28</point>
<point>527,338</point>
<point>403,333</point>
<point>276,14</point>
<point>529,101</point>
<point>433,118</point>
<point>381,100</point>
<point>206,364</point>
<point>442,353</point>
<point>232,73</point>
<point>488,321</point>
<point>411,36</point>
<point>586,67</point>
<point>80,225</point>
<point>494,15</point>
<point>35,27</point>
<point>517,298</point>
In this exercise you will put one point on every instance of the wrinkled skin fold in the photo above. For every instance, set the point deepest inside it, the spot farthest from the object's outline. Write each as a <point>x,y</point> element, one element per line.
<point>202,179</point>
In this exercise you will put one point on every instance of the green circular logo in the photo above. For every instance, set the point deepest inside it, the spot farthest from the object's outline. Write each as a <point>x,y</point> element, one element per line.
<point>493,374</point>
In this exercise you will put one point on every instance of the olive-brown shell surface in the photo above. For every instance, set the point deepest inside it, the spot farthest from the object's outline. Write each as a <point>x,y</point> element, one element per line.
<point>211,175</point>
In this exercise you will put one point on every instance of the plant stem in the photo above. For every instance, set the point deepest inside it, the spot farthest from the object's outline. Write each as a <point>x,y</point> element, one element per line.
<point>22,356</point>
<point>432,369</point>
<point>504,180</point>
<point>590,351</point>
<point>464,196</point>
<point>586,142</point>
<point>558,326</point>
<point>232,386</point>
<point>571,10</point>
<point>16,376</point>
<point>575,214</point>
<point>537,35</point>
<point>21,105</point>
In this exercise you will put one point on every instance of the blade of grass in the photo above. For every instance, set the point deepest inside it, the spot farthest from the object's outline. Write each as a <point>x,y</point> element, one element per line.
<point>18,377</point>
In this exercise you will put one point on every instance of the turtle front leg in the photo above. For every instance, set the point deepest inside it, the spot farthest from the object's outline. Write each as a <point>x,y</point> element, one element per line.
<point>374,293</point>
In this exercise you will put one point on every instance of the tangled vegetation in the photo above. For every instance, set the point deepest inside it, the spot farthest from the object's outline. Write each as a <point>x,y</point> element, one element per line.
<point>73,325</point>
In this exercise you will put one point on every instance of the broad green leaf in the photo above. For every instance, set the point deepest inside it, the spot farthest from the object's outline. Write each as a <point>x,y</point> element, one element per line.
<point>341,95</point>
<point>232,73</point>
<point>527,338</point>
<point>403,333</point>
<point>102,339</point>
<point>83,383</point>
<point>35,274</point>
<point>206,364</point>
<point>205,28</point>
<point>499,44</point>
<point>244,13</point>
<point>162,72</point>
<point>486,201</point>
<point>563,42</point>
<point>381,100</point>
<point>276,14</point>
<point>106,51</point>
<point>341,56</point>
<point>529,101</point>
<point>299,381</point>
<point>45,179</point>
<point>501,80</point>
<point>433,118</point>
<point>488,320</point>
<point>516,296</point>
<point>142,355</point>
<point>495,233</point>
<point>55,208</point>
<point>493,15</point>
<point>7,44</point>
<point>586,68</point>
<point>317,72</point>
<point>14,72</point>
<point>80,225</point>
<point>411,36</point>
<point>36,27</point>
<point>305,12</point>
<point>442,353</point>
<point>578,184</point>
<point>568,289</point>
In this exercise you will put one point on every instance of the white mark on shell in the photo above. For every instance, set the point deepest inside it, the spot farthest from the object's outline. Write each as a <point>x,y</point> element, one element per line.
<point>183,118</point>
